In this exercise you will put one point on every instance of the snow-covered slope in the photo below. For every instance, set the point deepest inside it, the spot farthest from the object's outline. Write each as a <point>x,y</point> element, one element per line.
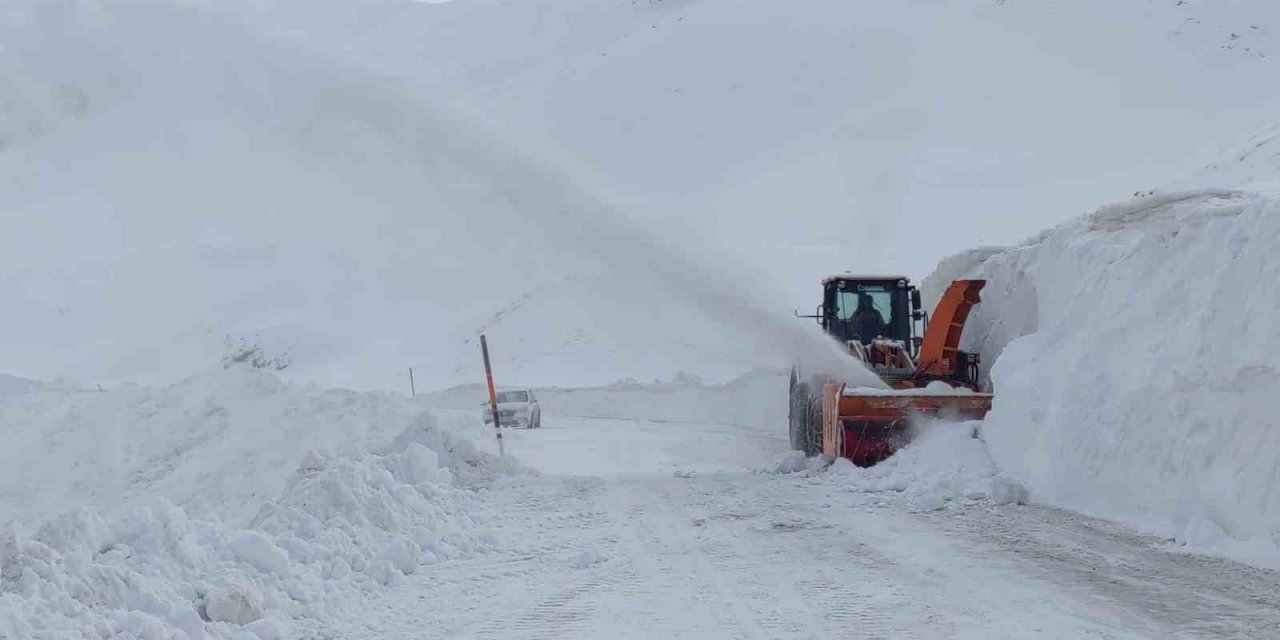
<point>229,504</point>
<point>1135,367</point>
<point>12,387</point>
<point>1253,165</point>
<point>288,179</point>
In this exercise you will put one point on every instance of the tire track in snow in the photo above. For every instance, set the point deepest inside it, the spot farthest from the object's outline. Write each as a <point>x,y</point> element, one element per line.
<point>528,589</point>
<point>741,556</point>
<point>558,597</point>
<point>829,596</point>
<point>681,563</point>
<point>1183,596</point>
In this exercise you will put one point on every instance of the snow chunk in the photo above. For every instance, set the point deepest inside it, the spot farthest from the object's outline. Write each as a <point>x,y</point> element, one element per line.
<point>264,629</point>
<point>1201,533</point>
<point>588,557</point>
<point>789,462</point>
<point>258,550</point>
<point>402,553</point>
<point>842,467</point>
<point>926,502</point>
<point>238,604</point>
<point>419,464</point>
<point>1008,491</point>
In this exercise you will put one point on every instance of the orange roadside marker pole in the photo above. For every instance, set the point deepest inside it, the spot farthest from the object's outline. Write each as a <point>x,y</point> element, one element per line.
<point>493,395</point>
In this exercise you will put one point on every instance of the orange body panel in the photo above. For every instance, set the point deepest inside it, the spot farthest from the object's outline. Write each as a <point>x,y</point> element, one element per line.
<point>891,408</point>
<point>937,355</point>
<point>869,427</point>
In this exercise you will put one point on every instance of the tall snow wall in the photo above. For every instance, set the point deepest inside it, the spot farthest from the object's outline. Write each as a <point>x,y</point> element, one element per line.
<point>1135,364</point>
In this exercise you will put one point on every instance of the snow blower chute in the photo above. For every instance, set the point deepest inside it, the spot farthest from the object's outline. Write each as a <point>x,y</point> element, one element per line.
<point>876,318</point>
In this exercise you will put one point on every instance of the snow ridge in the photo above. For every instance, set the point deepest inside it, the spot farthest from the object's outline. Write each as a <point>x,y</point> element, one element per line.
<point>1135,366</point>
<point>344,522</point>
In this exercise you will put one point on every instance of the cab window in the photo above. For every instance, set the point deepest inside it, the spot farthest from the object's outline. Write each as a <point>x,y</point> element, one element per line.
<point>878,297</point>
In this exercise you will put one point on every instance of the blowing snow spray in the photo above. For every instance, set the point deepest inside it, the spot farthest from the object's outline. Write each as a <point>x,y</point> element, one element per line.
<point>493,396</point>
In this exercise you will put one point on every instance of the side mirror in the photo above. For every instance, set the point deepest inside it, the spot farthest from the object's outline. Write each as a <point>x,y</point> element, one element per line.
<point>817,315</point>
<point>915,300</point>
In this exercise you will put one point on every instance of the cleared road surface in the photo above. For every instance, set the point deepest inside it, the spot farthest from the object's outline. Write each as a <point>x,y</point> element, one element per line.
<point>663,530</point>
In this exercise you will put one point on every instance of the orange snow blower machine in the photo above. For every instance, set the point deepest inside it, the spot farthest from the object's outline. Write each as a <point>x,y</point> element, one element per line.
<point>927,376</point>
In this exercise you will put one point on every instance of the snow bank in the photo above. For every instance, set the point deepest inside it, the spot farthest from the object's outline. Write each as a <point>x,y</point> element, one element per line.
<point>1136,365</point>
<point>343,520</point>
<point>12,387</point>
<point>344,525</point>
<point>757,399</point>
<point>944,462</point>
<point>217,443</point>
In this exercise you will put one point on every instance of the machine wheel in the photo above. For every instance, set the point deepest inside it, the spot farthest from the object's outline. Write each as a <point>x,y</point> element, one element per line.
<point>537,419</point>
<point>805,419</point>
<point>813,432</point>
<point>797,412</point>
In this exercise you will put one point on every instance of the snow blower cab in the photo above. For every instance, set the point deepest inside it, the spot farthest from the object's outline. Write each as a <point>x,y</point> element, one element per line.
<point>927,375</point>
<point>876,318</point>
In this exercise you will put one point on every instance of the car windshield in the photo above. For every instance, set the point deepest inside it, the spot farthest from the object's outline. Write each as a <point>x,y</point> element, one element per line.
<point>513,396</point>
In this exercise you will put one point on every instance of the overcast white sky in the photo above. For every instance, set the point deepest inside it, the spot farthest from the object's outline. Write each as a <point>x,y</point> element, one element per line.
<point>864,135</point>
<point>181,177</point>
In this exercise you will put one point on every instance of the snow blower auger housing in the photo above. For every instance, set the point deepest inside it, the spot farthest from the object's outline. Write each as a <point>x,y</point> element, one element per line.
<point>927,375</point>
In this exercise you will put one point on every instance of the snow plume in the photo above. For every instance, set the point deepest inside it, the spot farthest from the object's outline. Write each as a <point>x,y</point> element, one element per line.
<point>342,524</point>
<point>590,234</point>
<point>1136,370</point>
<point>247,188</point>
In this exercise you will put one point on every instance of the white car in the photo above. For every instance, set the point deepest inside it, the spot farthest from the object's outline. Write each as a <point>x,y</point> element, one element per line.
<point>518,408</point>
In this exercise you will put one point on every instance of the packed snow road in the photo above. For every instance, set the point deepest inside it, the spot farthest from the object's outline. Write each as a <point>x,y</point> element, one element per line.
<point>650,529</point>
